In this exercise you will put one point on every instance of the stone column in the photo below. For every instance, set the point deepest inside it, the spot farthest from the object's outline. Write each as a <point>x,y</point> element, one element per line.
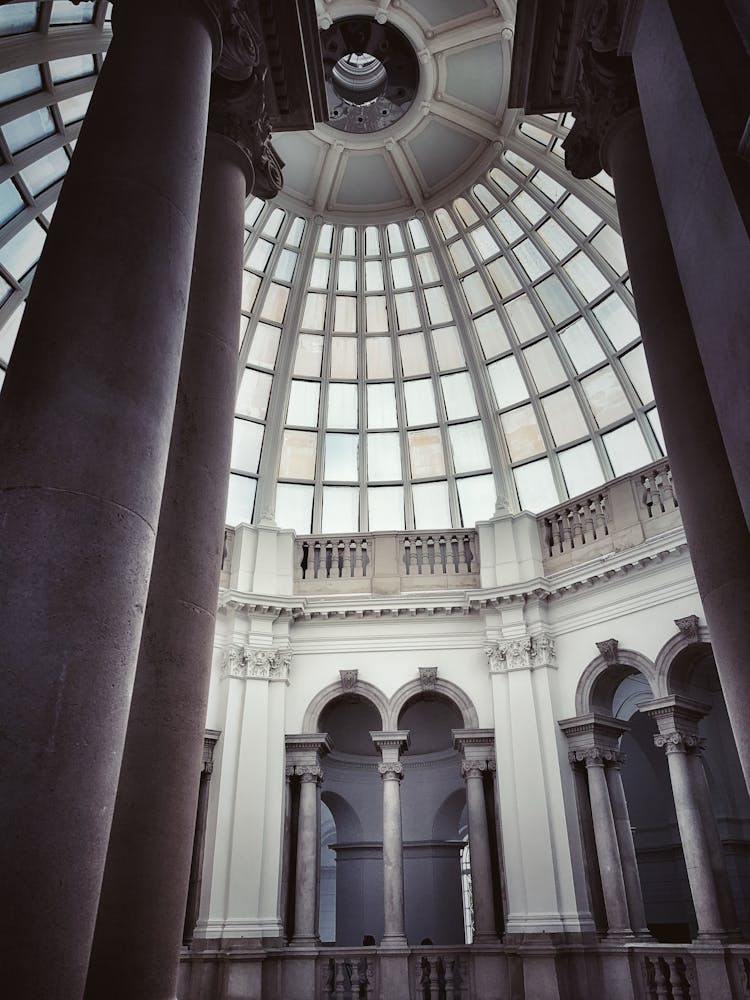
<point>85,423</point>
<point>609,133</point>
<point>192,907</point>
<point>392,771</point>
<point>303,754</point>
<point>677,719</point>
<point>626,846</point>
<point>142,904</point>
<point>478,750</point>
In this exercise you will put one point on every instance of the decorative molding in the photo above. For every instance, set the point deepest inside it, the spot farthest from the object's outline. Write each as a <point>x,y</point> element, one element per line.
<point>609,649</point>
<point>525,653</point>
<point>428,678</point>
<point>349,679</point>
<point>689,627</point>
<point>246,662</point>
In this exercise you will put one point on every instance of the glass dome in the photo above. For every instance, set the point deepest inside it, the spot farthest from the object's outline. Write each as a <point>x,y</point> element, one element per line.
<point>398,370</point>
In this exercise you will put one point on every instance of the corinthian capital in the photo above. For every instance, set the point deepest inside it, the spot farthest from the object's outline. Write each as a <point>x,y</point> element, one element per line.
<point>605,88</point>
<point>240,42</point>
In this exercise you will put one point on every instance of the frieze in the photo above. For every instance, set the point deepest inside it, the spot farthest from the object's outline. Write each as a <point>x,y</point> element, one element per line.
<point>246,662</point>
<point>525,653</point>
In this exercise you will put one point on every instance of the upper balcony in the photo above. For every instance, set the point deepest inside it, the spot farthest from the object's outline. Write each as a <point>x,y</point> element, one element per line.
<point>638,511</point>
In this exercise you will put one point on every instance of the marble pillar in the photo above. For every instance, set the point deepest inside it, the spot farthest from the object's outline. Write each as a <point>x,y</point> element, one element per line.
<point>628,861</point>
<point>392,771</point>
<point>85,425</point>
<point>142,904</point>
<point>192,906</point>
<point>308,855</point>
<point>607,849</point>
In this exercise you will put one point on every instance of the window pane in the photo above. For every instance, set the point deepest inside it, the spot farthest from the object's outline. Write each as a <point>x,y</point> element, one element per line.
<point>503,277</point>
<point>11,201</point>
<point>274,307</point>
<point>413,354</point>
<point>437,306</point>
<point>343,357</point>
<point>492,335</point>
<point>377,316</point>
<point>626,448</point>
<point>379,362</point>
<point>458,393</point>
<point>605,396</point>
<point>448,348</point>
<point>383,457</point>
<point>426,453</point>
<point>545,365</point>
<point>30,128</point>
<point>342,457</point>
<point>581,468</point>
<point>314,316</point>
<point>535,485</point>
<point>556,300</point>
<point>309,355</point>
<point>582,346</point>
<point>634,363</point>
<point>609,245</point>
<point>618,322</point>
<point>240,500</point>
<point>524,317</point>
<point>462,259</point>
<point>386,508</point>
<point>530,260</point>
<point>255,389</point>
<point>469,447</point>
<point>71,68</point>
<point>246,443</point>
<point>342,406</point>
<point>420,402</point>
<point>294,507</point>
<point>522,433</point>
<point>19,83</point>
<point>22,252</point>
<point>303,404</point>
<point>345,314</point>
<point>587,276</point>
<point>381,405</point>
<point>44,173</point>
<point>298,449</point>
<point>431,506</point>
<point>507,381</point>
<point>374,276</point>
<point>476,497</point>
<point>655,420</point>
<point>340,509</point>
<point>556,239</point>
<point>566,422</point>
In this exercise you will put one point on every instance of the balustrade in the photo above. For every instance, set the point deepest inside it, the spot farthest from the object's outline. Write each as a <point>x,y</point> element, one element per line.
<point>330,558</point>
<point>440,976</point>
<point>349,977</point>
<point>439,553</point>
<point>658,494</point>
<point>669,976</point>
<point>576,524</point>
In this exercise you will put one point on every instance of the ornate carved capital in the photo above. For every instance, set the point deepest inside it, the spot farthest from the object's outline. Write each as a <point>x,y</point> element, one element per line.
<point>309,773</point>
<point>476,768</point>
<point>245,662</point>
<point>678,742</point>
<point>524,653</point>
<point>391,769</point>
<point>605,89</point>
<point>240,41</point>
<point>596,757</point>
<point>428,678</point>
<point>609,649</point>
<point>348,679</point>
<point>689,627</point>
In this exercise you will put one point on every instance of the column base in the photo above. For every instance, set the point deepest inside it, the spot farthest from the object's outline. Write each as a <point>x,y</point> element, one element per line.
<point>305,942</point>
<point>486,939</point>
<point>397,941</point>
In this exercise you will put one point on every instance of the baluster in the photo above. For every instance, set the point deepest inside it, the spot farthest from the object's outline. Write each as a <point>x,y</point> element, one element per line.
<point>646,497</point>
<point>303,561</point>
<point>675,978</point>
<point>329,978</point>
<point>352,556</point>
<point>559,536</point>
<point>369,979</point>
<point>329,557</point>
<point>340,553</point>
<point>418,547</point>
<point>587,521</point>
<point>316,559</point>
<point>601,507</point>
<point>661,979</point>
<point>365,556</point>
<point>648,975</point>
<point>576,526</point>
<point>340,990</point>
<point>449,982</point>
<point>675,501</point>
<point>421,972</point>
<point>431,554</point>
<point>668,488</point>
<point>442,545</point>
<point>468,554</point>
<point>454,553</point>
<point>407,554</point>
<point>434,979</point>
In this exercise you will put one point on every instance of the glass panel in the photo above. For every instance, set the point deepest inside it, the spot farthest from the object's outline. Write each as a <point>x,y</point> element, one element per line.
<point>381,405</point>
<point>413,354</point>
<point>508,226</point>
<point>535,485</point>
<point>73,109</point>
<point>546,369</point>
<point>522,433</point>
<point>458,393</point>
<point>341,509</point>
<point>11,201</point>
<point>345,315</point>
<point>294,507</point>
<point>529,207</point>
<point>503,181</point>
<point>420,403</point>
<point>258,257</point>
<point>246,443</point>
<point>492,335</point>
<point>503,277</point>
<point>44,173</point>
<point>265,346</point>
<point>274,307</point>
<point>476,497</point>
<point>28,129</point>
<point>556,239</point>
<point>507,381</point>
<point>255,390</point>
<point>524,317</point>
<point>64,12</point>
<point>448,348</point>
<point>9,330</point>
<point>349,242</point>
<point>609,245</point>
<point>617,320</point>
<point>566,422</point>
<point>17,18</point>
<point>428,270</point>
<point>19,82</point>
<point>321,270</point>
<point>606,397</point>
<point>303,404</point>
<point>309,355</point>
<point>252,212</point>
<point>418,235</point>
<point>285,265</point>
<point>343,357</point>
<point>342,406</point>
<point>469,447</point>
<point>400,273</point>
<point>587,276</point>
<point>476,293</point>
<point>446,224</point>
<point>250,287</point>
<point>530,259</point>
<point>546,184</point>
<point>325,239</point>
<point>485,196</point>
<point>383,457</point>
<point>465,211</point>
<point>626,448</point>
<point>437,306</point>
<point>296,232</point>
<point>581,469</point>
<point>655,420</point>
<point>22,252</point>
<point>314,316</point>
<point>462,259</point>
<point>634,363</point>
<point>377,317</point>
<point>386,508</point>
<point>395,239</point>
<point>347,276</point>
<point>374,276</point>
<point>342,457</point>
<point>406,311</point>
<point>484,242</point>
<point>582,346</point>
<point>379,362</point>
<point>426,453</point>
<point>579,214</point>
<point>71,68</point>
<point>298,449</point>
<point>240,500</point>
<point>431,506</point>
<point>556,300</point>
<point>372,242</point>
<point>274,222</point>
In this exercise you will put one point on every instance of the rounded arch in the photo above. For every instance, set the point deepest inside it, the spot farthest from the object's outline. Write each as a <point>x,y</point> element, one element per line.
<point>345,816</point>
<point>446,689</point>
<point>367,691</point>
<point>682,650</point>
<point>448,816</point>
<point>600,680</point>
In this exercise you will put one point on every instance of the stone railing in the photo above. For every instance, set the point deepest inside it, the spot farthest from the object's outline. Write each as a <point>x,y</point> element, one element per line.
<point>348,974</point>
<point>435,973</point>
<point>438,974</point>
<point>620,515</point>
<point>669,973</point>
<point>386,563</point>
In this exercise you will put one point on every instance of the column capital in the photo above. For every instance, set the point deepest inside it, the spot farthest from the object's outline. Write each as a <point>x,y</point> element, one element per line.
<point>253,662</point>
<point>477,768</point>
<point>596,757</point>
<point>309,773</point>
<point>303,754</point>
<point>605,88</point>
<point>594,733</point>
<point>526,652</point>
<point>240,41</point>
<point>391,744</point>
<point>679,742</point>
<point>391,769</point>
<point>675,714</point>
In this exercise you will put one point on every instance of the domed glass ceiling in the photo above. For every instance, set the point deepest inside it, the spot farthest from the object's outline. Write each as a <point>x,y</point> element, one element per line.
<point>394,374</point>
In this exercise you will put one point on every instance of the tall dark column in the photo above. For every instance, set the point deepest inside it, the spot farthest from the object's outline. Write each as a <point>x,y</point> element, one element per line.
<point>142,905</point>
<point>192,906</point>
<point>609,133</point>
<point>85,422</point>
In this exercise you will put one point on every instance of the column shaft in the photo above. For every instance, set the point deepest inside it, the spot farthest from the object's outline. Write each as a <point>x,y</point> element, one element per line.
<point>308,852</point>
<point>85,421</point>
<point>192,906</point>
<point>626,847</point>
<point>695,845</point>
<point>479,854</point>
<point>142,905</point>
<point>393,859</point>
<point>610,866</point>
<point>721,554</point>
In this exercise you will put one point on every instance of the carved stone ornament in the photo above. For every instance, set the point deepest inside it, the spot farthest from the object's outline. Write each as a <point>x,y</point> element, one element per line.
<point>609,649</point>
<point>677,742</point>
<point>605,88</point>
<point>596,757</point>
<point>240,44</point>
<point>524,653</point>
<point>689,627</point>
<point>476,768</point>
<point>348,679</point>
<point>309,772</point>
<point>391,769</point>
<point>265,664</point>
<point>428,678</point>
